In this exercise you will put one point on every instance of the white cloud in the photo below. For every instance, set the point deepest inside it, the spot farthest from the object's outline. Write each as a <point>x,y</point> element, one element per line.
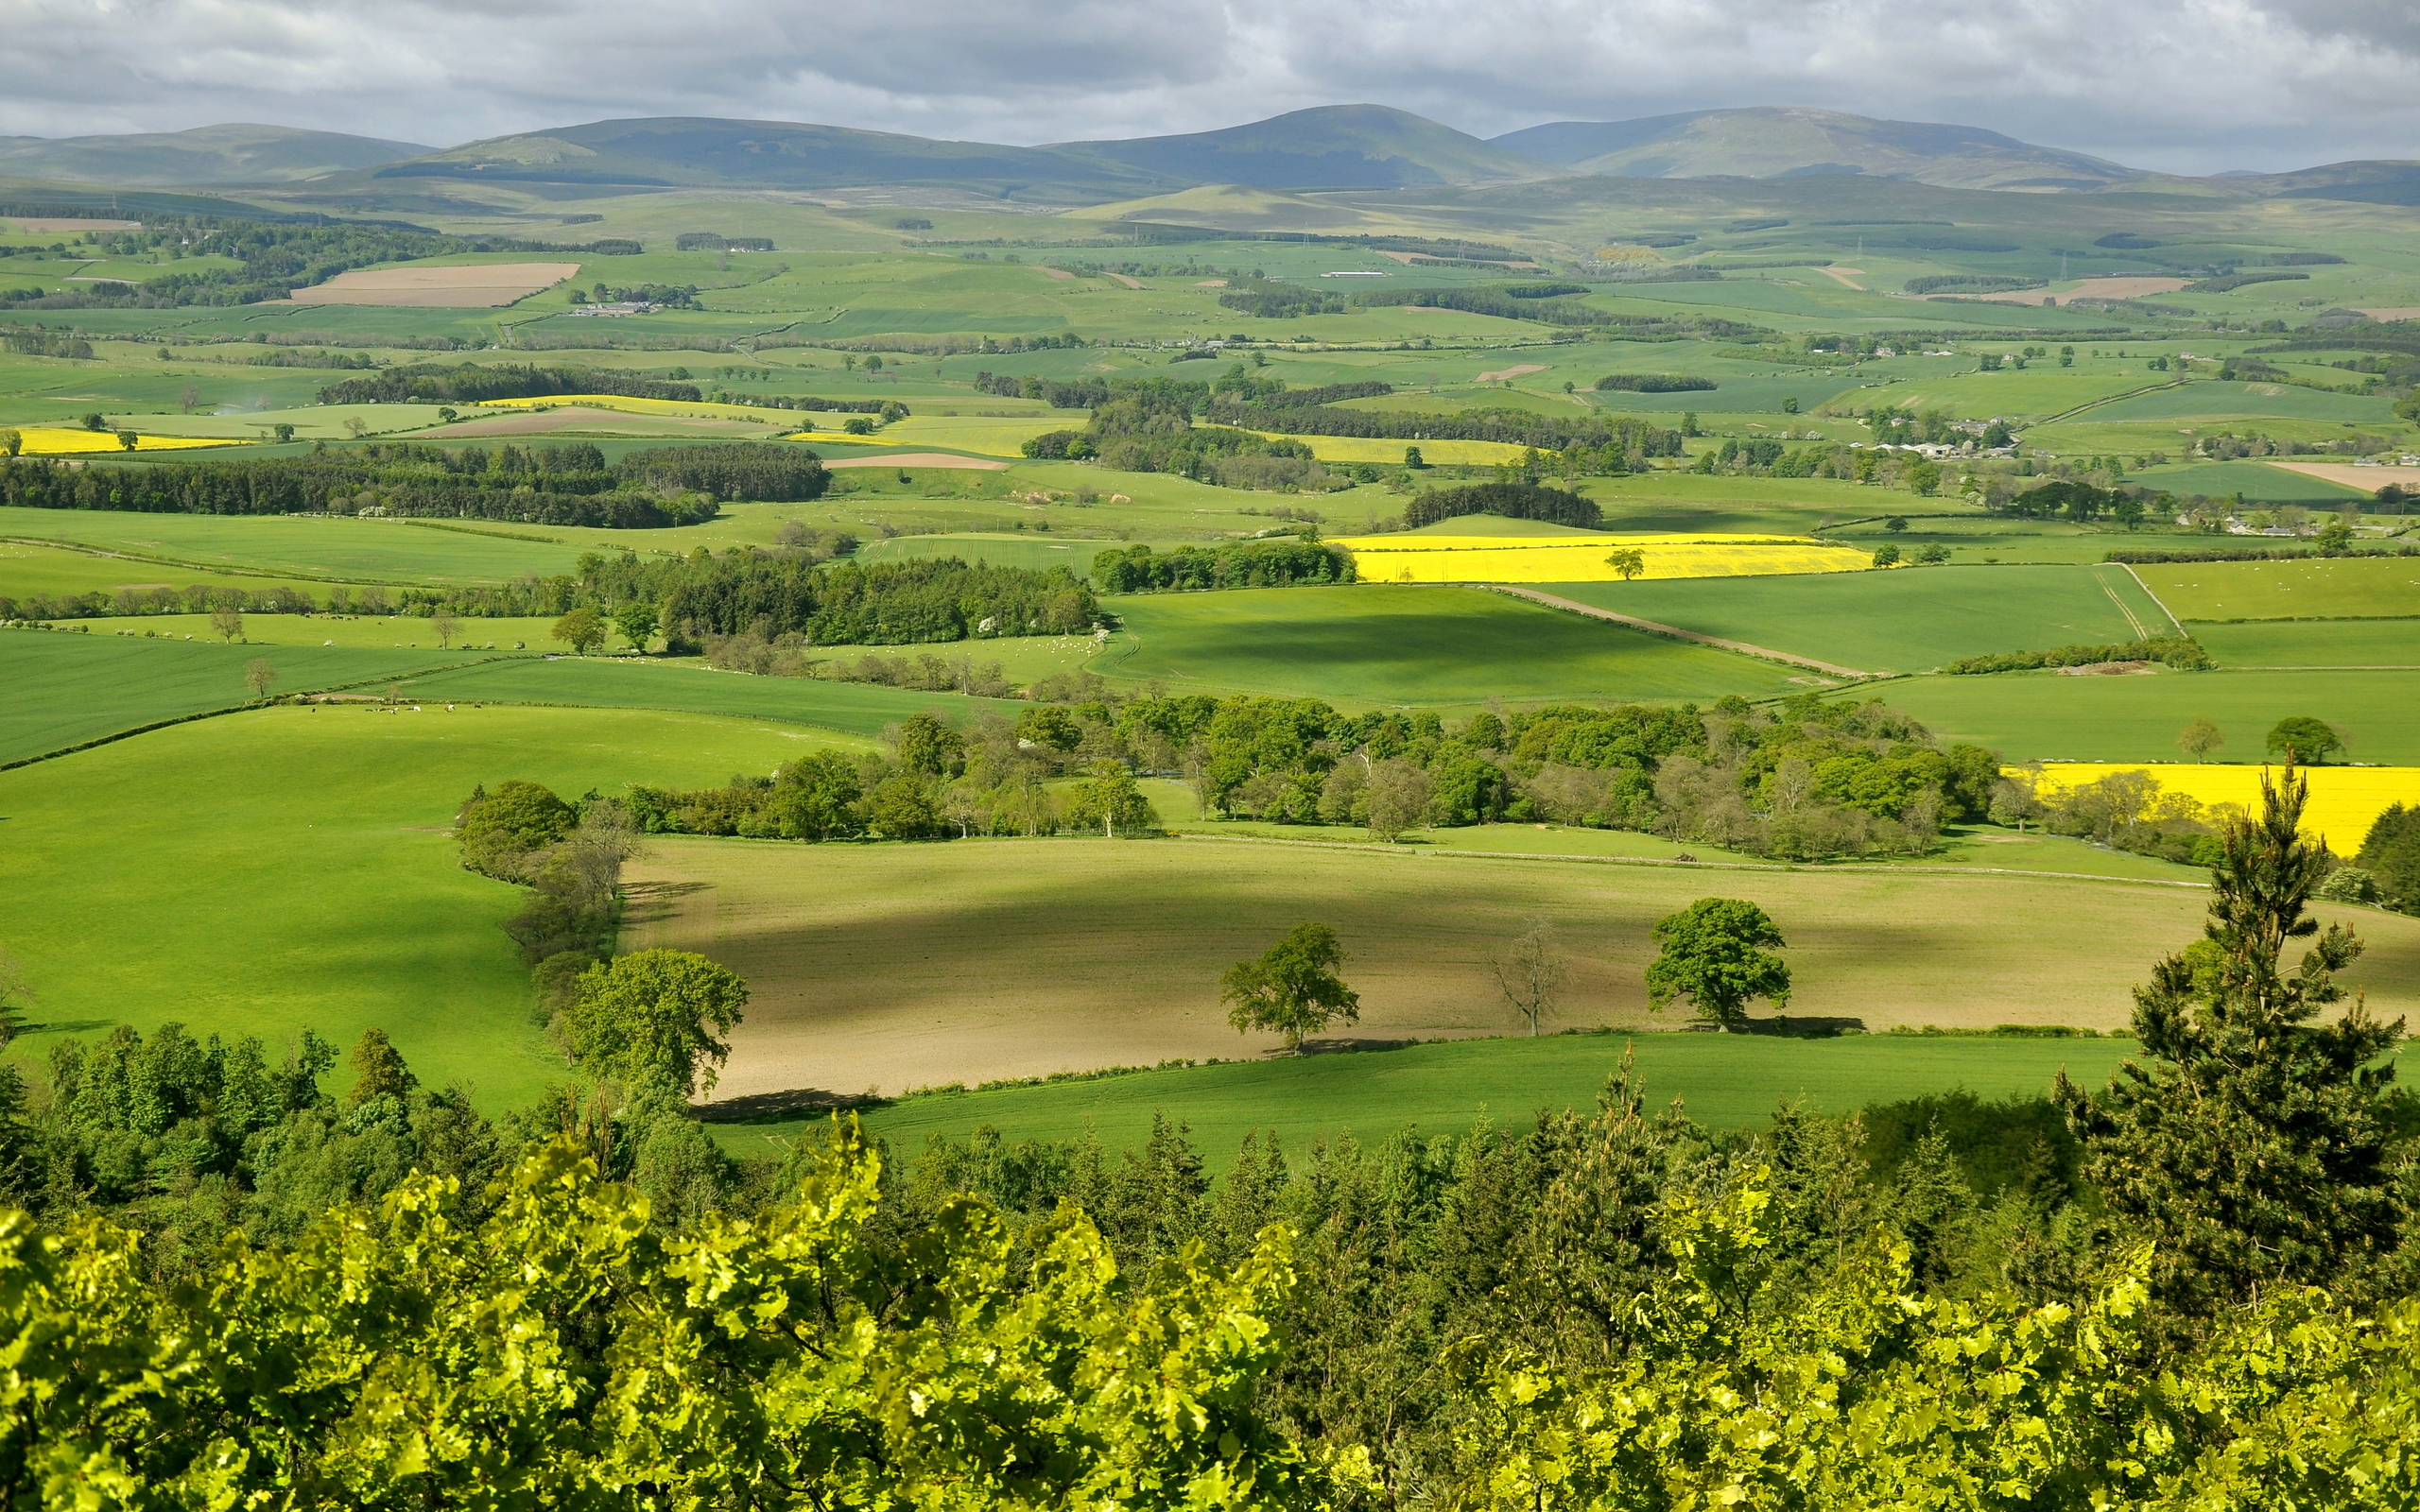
<point>2190,85</point>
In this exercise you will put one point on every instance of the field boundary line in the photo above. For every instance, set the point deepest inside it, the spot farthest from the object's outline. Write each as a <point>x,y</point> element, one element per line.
<point>2156,599</point>
<point>1861,867</point>
<point>117,735</point>
<point>2141,631</point>
<point>1654,628</point>
<point>82,549</point>
<point>2130,393</point>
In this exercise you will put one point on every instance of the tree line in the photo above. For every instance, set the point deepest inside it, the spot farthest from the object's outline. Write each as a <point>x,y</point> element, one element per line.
<point>1513,500</point>
<point>1280,563</point>
<point>472,383</point>
<point>653,489</point>
<point>2193,1286</point>
<point>275,258</point>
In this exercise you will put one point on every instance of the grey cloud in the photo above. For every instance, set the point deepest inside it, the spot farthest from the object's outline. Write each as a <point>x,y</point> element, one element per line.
<point>2192,85</point>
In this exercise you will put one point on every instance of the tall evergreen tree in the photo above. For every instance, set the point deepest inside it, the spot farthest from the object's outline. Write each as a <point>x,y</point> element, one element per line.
<point>2252,1147</point>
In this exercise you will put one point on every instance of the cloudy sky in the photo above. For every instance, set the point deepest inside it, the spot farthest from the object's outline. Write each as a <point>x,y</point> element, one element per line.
<point>2183,85</point>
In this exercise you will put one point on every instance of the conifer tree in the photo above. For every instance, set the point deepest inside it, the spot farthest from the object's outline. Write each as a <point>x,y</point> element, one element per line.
<point>2250,1145</point>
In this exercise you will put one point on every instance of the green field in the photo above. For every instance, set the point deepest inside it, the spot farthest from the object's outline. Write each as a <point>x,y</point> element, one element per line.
<point>1908,620</point>
<point>2237,401</point>
<point>2314,643</point>
<point>2351,588</point>
<point>387,632</point>
<point>1402,646</point>
<point>604,682</point>
<point>1722,1081</point>
<point>288,869</point>
<point>2038,714</point>
<point>64,688</point>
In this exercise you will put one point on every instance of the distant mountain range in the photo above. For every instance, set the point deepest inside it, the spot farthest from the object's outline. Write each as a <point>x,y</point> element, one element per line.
<point>208,156</point>
<point>1337,147</point>
<point>1772,142</point>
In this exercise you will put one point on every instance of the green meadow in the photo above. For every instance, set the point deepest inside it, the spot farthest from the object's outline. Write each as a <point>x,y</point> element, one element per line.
<point>615,682</point>
<point>1405,647</point>
<point>2314,643</point>
<point>2040,715</point>
<point>1911,620</point>
<point>2345,587</point>
<point>1723,1081</point>
<point>65,688</point>
<point>289,869</point>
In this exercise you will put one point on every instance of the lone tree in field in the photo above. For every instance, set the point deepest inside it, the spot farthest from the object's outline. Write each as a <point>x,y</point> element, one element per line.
<point>2253,1148</point>
<point>1712,958</point>
<point>227,624</point>
<point>582,630</point>
<point>636,621</point>
<point>260,676</point>
<point>1630,561</point>
<point>446,627</point>
<point>128,441</point>
<point>648,1020</point>
<point>1533,972</point>
<point>378,1069</point>
<point>1296,987</point>
<point>2299,739</point>
<point>2199,739</point>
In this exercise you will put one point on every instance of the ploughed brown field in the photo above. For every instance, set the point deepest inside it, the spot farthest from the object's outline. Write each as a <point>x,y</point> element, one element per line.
<point>484,286</point>
<point>890,967</point>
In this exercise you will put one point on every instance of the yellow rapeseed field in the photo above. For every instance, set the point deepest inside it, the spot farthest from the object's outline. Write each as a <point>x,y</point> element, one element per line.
<point>1422,559</point>
<point>2345,800</point>
<point>1359,449</point>
<point>66,441</point>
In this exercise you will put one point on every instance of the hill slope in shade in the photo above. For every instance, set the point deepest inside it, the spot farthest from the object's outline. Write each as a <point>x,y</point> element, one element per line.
<point>1776,141</point>
<point>685,151</point>
<point>1331,146</point>
<point>231,154</point>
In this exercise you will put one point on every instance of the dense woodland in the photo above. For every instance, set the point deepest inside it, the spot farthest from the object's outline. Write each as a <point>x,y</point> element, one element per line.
<point>472,383</point>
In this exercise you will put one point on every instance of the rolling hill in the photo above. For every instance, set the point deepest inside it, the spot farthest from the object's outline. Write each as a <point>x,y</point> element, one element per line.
<point>1780,141</point>
<point>209,155</point>
<point>695,152</point>
<point>1331,146</point>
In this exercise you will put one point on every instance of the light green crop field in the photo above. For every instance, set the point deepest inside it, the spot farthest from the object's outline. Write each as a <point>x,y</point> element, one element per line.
<point>2257,481</point>
<point>1405,647</point>
<point>289,868</point>
<point>1722,1081</point>
<point>313,549</point>
<point>2030,715</point>
<point>617,682</point>
<point>2347,587</point>
<point>1688,501</point>
<point>64,688</point>
<point>1018,549</point>
<point>26,570</point>
<point>2211,401</point>
<point>2314,643</point>
<point>2037,392</point>
<point>1906,620</point>
<point>387,632</point>
<point>888,967</point>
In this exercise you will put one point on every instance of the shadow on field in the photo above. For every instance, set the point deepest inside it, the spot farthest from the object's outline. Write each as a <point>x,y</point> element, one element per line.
<point>781,1106</point>
<point>66,1026</point>
<point>1338,1045</point>
<point>1799,1026</point>
<point>651,902</point>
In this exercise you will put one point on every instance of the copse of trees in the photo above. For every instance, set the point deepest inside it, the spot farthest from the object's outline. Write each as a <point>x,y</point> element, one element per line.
<point>1514,500</point>
<point>551,484</point>
<point>1278,563</point>
<point>471,382</point>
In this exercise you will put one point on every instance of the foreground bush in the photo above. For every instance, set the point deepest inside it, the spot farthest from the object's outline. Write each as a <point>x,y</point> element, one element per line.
<point>567,1352</point>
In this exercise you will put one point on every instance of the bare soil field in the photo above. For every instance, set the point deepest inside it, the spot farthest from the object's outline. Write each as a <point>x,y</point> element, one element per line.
<point>920,459</point>
<point>891,967</point>
<point>2369,478</point>
<point>1508,374</point>
<point>2399,312</point>
<point>486,286</point>
<point>581,418</point>
<point>1844,275</point>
